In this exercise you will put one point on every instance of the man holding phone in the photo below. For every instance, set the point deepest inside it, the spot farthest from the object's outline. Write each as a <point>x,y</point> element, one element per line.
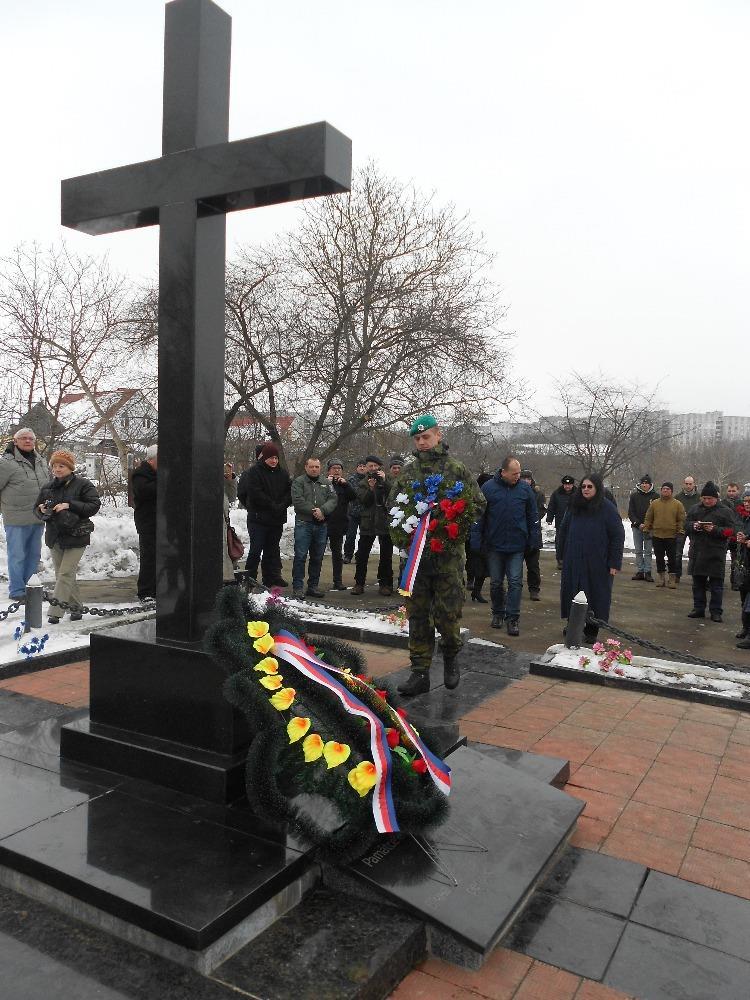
<point>710,526</point>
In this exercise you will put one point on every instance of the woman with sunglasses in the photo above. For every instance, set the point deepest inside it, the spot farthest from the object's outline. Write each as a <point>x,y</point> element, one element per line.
<point>592,543</point>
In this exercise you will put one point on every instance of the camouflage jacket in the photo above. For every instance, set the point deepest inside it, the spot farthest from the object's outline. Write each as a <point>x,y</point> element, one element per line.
<point>427,463</point>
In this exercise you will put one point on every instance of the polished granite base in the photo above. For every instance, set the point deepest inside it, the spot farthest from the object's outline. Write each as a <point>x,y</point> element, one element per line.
<point>158,712</point>
<point>503,831</point>
<point>639,931</point>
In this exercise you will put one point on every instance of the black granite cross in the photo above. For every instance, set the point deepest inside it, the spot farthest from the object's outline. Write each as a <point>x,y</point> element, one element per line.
<point>187,193</point>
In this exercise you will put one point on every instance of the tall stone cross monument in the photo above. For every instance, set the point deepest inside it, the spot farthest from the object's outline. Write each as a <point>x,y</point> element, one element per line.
<point>200,176</point>
<point>187,193</point>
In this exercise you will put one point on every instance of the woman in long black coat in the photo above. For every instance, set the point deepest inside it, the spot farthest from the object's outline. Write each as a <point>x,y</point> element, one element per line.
<point>592,542</point>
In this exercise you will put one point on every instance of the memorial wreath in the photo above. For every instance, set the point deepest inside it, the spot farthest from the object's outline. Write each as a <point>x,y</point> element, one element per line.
<point>320,727</point>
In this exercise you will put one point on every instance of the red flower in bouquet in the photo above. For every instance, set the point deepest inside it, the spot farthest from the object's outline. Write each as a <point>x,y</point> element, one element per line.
<point>459,507</point>
<point>452,530</point>
<point>393,737</point>
<point>433,524</point>
<point>445,505</point>
<point>419,766</point>
<point>436,545</point>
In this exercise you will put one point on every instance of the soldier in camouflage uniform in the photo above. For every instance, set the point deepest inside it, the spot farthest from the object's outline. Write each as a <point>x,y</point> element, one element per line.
<point>438,593</point>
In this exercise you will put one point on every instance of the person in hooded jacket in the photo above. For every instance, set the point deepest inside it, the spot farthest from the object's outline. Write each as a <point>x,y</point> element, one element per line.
<point>640,500</point>
<point>558,505</point>
<point>66,503</point>
<point>592,540</point>
<point>710,526</point>
<point>264,490</point>
<point>22,473</point>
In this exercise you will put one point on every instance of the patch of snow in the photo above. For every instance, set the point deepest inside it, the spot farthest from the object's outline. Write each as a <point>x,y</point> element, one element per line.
<point>65,635</point>
<point>486,642</point>
<point>661,673</point>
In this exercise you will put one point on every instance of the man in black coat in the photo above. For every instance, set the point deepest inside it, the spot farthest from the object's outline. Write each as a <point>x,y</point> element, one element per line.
<point>352,527</point>
<point>710,526</point>
<point>337,521</point>
<point>264,490</point>
<point>143,487</point>
<point>640,500</point>
<point>558,506</point>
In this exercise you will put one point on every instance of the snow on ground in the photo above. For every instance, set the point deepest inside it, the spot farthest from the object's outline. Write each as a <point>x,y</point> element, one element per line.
<point>66,635</point>
<point>661,673</point>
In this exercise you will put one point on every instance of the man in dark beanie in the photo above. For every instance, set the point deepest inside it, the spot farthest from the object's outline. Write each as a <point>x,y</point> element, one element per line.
<point>395,465</point>
<point>264,490</point>
<point>709,526</point>
<point>558,506</point>
<point>338,519</point>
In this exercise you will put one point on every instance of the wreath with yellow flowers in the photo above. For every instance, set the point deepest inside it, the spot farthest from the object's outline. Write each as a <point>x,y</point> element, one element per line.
<point>304,743</point>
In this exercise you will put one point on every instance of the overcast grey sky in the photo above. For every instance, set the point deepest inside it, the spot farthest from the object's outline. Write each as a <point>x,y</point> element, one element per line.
<point>602,147</point>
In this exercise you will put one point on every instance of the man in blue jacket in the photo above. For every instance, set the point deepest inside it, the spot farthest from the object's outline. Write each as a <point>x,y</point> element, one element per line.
<point>511,527</point>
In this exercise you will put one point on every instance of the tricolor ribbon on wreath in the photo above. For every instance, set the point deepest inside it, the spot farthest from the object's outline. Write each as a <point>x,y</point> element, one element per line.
<point>290,649</point>
<point>414,558</point>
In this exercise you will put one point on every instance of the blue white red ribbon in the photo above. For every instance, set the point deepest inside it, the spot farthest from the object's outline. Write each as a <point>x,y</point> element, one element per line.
<point>289,648</point>
<point>419,539</point>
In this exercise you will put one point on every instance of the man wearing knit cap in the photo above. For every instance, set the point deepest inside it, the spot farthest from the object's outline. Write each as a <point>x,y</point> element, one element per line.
<point>264,490</point>
<point>22,474</point>
<point>374,520</point>
<point>352,528</point>
<point>709,526</point>
<point>438,595</point>
<point>395,465</point>
<point>665,520</point>
<point>640,500</point>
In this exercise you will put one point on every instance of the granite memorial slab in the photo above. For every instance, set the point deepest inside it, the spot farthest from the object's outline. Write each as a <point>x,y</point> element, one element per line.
<point>597,880</point>
<point>183,878</point>
<point>551,770</point>
<point>505,828</point>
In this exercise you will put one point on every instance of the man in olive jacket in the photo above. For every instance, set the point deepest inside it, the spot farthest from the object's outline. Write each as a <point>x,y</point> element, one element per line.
<point>438,594</point>
<point>664,521</point>
<point>314,499</point>
<point>23,472</point>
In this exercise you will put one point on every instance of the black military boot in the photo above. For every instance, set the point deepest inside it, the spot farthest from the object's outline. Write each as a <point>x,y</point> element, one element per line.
<point>497,621</point>
<point>513,626</point>
<point>451,672</point>
<point>418,682</point>
<point>745,630</point>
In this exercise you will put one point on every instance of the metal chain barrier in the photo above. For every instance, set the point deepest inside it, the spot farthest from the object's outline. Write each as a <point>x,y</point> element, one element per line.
<point>10,610</point>
<point>82,609</point>
<point>647,644</point>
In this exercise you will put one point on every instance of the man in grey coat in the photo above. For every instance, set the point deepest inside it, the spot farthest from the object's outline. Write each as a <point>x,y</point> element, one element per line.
<point>23,472</point>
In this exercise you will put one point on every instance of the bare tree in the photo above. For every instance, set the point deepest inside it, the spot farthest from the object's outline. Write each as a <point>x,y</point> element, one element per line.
<point>604,425</point>
<point>64,318</point>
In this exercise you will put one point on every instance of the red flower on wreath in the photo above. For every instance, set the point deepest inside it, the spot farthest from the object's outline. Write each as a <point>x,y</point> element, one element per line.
<point>459,507</point>
<point>433,524</point>
<point>452,530</point>
<point>402,713</point>
<point>445,505</point>
<point>436,545</point>
<point>393,737</point>
<point>381,693</point>
<point>419,766</point>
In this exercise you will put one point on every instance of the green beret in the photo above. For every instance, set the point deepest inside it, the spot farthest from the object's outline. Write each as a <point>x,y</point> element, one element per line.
<point>422,424</point>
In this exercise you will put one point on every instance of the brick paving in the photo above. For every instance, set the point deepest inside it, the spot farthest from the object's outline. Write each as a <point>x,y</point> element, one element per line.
<point>666,784</point>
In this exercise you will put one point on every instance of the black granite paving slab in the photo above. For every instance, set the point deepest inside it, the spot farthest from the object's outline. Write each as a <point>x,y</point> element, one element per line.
<point>551,770</point>
<point>566,935</point>
<point>657,966</point>
<point>330,947</point>
<point>441,705</point>
<point>697,913</point>
<point>44,954</point>
<point>597,881</point>
<point>21,709</point>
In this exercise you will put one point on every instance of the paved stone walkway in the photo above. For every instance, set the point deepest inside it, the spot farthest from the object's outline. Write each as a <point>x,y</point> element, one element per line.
<point>666,784</point>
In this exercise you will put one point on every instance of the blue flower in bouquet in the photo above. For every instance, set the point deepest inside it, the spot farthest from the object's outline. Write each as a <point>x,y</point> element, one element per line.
<point>455,490</point>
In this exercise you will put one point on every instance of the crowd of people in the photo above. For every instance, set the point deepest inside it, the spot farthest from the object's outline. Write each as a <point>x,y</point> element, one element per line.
<point>349,514</point>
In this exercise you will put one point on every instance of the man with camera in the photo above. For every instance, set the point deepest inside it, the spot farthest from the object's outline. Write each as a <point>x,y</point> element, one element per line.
<point>709,526</point>
<point>338,519</point>
<point>374,522</point>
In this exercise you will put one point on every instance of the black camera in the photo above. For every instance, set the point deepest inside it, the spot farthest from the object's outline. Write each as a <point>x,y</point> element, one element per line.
<point>48,505</point>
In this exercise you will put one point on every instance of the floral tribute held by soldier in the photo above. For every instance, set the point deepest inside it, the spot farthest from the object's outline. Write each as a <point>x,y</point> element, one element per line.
<point>433,505</point>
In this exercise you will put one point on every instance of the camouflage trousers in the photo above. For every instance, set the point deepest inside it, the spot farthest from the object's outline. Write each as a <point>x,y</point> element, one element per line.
<point>437,602</point>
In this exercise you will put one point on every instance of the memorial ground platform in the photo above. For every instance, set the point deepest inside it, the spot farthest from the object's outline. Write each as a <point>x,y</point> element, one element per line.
<point>653,895</point>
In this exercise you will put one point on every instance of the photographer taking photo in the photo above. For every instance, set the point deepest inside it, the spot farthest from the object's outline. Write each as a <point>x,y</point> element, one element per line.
<point>374,523</point>
<point>710,527</point>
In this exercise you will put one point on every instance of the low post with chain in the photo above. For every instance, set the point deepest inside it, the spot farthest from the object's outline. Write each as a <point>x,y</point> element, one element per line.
<point>34,598</point>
